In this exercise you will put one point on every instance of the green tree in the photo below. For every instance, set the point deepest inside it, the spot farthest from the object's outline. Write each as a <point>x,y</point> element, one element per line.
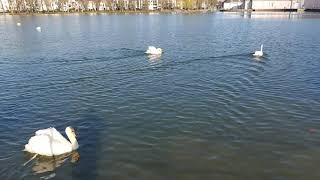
<point>121,5</point>
<point>188,4</point>
<point>132,5</point>
<point>145,5</point>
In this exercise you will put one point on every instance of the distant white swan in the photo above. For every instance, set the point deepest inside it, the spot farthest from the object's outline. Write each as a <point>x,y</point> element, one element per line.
<point>38,29</point>
<point>259,53</point>
<point>18,24</point>
<point>153,50</point>
<point>49,142</point>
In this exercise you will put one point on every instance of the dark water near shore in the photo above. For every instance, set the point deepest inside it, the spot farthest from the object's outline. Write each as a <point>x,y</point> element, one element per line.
<point>206,109</point>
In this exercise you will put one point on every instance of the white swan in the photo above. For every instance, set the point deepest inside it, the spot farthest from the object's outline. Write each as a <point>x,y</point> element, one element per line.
<point>18,24</point>
<point>153,50</point>
<point>38,29</point>
<point>259,53</point>
<point>49,142</point>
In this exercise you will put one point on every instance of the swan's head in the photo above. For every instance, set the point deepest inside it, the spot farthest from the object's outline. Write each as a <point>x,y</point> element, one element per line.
<point>72,137</point>
<point>159,50</point>
<point>70,132</point>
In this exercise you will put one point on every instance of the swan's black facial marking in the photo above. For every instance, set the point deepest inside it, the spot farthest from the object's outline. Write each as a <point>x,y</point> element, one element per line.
<point>72,130</point>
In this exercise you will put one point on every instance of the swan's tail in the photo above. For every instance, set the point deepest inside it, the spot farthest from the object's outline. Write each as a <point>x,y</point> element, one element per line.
<point>27,148</point>
<point>30,159</point>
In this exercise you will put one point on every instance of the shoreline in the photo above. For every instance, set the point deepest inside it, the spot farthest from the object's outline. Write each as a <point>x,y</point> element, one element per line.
<point>271,10</point>
<point>166,11</point>
<point>182,11</point>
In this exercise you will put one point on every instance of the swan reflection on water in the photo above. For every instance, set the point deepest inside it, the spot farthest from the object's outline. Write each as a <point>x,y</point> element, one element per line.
<point>44,164</point>
<point>154,57</point>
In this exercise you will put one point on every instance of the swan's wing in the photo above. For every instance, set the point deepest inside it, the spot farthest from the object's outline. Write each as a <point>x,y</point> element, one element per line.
<point>39,144</point>
<point>45,145</point>
<point>43,131</point>
<point>53,133</point>
<point>152,48</point>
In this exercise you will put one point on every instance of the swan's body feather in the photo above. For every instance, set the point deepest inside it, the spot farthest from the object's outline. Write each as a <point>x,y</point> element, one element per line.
<point>259,53</point>
<point>38,29</point>
<point>53,133</point>
<point>153,50</point>
<point>47,146</point>
<point>50,142</point>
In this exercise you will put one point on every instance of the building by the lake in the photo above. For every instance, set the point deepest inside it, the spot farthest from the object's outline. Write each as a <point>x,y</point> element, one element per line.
<point>276,4</point>
<point>312,4</point>
<point>232,4</point>
<point>271,4</point>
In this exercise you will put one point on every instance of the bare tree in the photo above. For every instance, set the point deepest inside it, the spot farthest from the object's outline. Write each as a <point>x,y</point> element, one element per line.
<point>161,3</point>
<point>109,4</point>
<point>11,6</point>
<point>104,4</point>
<point>61,4</point>
<point>32,4</point>
<point>145,5</point>
<point>167,4</point>
<point>212,3</point>
<point>84,4</point>
<point>120,5</point>
<point>48,5</point>
<point>97,4</point>
<point>19,5</point>
<point>132,5</point>
<point>41,3</point>
<point>199,3</point>
<point>2,6</point>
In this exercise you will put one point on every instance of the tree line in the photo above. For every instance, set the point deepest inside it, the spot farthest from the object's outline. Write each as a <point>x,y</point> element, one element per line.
<point>31,6</point>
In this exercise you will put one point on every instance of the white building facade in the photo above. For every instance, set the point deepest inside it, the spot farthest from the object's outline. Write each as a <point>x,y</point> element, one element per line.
<point>312,4</point>
<point>153,5</point>
<point>232,4</point>
<point>276,4</point>
<point>4,5</point>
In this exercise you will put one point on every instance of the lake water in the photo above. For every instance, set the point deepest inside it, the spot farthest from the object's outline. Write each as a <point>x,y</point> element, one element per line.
<point>205,109</point>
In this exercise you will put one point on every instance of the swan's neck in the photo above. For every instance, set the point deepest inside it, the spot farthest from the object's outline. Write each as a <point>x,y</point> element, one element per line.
<point>261,47</point>
<point>74,142</point>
